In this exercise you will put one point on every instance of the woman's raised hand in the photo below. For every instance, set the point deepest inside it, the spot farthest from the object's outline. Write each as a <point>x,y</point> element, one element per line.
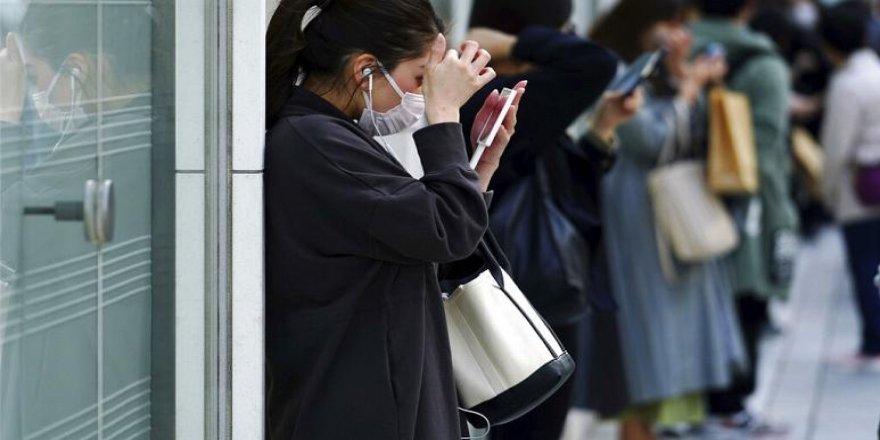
<point>614,109</point>
<point>12,82</point>
<point>452,78</point>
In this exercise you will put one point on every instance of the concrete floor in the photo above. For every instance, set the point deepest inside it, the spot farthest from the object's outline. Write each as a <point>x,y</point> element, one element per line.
<point>798,386</point>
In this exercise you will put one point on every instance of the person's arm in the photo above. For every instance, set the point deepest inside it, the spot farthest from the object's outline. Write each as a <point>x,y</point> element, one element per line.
<point>661,122</point>
<point>600,152</point>
<point>839,131</point>
<point>767,86</point>
<point>12,85</point>
<point>567,75</point>
<point>373,207</point>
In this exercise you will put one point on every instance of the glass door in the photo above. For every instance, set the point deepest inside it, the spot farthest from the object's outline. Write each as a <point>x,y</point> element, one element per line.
<point>86,236</point>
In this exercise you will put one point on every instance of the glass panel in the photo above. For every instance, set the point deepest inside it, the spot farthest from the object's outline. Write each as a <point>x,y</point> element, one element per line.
<point>86,282</point>
<point>124,153</point>
<point>49,308</point>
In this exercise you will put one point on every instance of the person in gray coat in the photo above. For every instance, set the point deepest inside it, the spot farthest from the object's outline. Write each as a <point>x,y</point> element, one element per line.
<point>678,337</point>
<point>764,261</point>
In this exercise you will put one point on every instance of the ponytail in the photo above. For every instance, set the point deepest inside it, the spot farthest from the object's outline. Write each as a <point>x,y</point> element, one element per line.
<point>284,43</point>
<point>391,30</point>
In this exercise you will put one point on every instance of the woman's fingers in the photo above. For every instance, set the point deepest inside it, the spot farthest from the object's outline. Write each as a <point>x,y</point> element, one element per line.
<point>482,117</point>
<point>469,51</point>
<point>520,88</point>
<point>451,54</point>
<point>502,140</point>
<point>633,103</point>
<point>437,51</point>
<point>482,60</point>
<point>510,119</point>
<point>486,76</point>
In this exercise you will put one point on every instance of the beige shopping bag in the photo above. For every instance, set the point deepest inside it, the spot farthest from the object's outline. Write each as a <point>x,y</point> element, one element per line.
<point>809,159</point>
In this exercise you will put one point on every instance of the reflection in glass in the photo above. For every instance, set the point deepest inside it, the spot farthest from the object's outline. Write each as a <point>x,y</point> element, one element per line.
<point>75,311</point>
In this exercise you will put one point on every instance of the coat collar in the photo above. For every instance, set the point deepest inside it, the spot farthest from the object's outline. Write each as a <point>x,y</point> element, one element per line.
<point>303,102</point>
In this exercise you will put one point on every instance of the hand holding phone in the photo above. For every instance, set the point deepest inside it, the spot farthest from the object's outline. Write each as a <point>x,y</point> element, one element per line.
<point>492,124</point>
<point>637,73</point>
<point>714,50</point>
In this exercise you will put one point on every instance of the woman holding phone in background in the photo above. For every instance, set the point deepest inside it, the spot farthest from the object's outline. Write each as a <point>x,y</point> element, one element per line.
<point>566,74</point>
<point>677,337</point>
<point>356,337</point>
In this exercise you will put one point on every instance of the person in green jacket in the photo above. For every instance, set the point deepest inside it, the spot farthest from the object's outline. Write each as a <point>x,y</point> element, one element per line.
<point>762,265</point>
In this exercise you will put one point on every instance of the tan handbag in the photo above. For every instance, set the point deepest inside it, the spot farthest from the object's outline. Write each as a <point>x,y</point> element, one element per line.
<point>732,159</point>
<point>690,220</point>
<point>809,159</point>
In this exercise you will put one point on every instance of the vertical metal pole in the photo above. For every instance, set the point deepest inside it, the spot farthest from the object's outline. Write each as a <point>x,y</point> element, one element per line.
<point>219,404</point>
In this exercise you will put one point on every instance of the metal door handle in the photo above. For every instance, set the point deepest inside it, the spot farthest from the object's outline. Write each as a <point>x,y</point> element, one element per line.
<point>106,209</point>
<point>100,205</point>
<point>72,211</point>
<point>96,211</point>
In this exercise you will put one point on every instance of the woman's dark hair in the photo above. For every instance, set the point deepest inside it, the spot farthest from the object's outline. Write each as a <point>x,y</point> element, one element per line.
<point>774,20</point>
<point>391,30</point>
<point>722,8</point>
<point>622,29</point>
<point>512,16</point>
<point>844,26</point>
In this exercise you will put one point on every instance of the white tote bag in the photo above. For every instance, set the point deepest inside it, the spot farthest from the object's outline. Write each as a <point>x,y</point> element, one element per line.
<point>505,357</point>
<point>690,219</point>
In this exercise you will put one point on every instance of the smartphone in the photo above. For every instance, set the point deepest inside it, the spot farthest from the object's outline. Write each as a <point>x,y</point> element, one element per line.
<point>715,50</point>
<point>493,124</point>
<point>638,72</point>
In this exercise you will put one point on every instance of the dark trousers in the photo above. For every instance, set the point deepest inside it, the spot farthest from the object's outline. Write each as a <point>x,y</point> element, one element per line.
<point>753,317</point>
<point>547,421</point>
<point>863,251</point>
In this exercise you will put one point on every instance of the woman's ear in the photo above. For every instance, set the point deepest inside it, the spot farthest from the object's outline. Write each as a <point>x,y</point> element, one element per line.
<point>79,66</point>
<point>363,66</point>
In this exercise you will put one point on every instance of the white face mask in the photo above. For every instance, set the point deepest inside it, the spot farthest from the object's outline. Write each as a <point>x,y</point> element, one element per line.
<point>805,14</point>
<point>59,120</point>
<point>405,115</point>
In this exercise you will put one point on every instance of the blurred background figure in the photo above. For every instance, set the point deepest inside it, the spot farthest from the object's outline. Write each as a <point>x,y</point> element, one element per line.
<point>678,338</point>
<point>793,28</point>
<point>874,28</point>
<point>851,140</point>
<point>566,74</point>
<point>762,266</point>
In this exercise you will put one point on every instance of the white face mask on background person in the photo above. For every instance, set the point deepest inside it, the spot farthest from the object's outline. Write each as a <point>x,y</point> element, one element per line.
<point>55,117</point>
<point>805,14</point>
<point>399,118</point>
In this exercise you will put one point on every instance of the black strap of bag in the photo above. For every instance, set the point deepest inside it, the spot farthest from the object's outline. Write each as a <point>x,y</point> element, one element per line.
<point>549,257</point>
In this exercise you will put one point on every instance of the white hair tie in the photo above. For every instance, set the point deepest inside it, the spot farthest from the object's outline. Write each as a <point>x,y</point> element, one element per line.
<point>310,16</point>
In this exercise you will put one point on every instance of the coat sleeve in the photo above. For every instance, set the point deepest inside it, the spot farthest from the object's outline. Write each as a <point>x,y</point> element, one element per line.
<point>766,83</point>
<point>662,123</point>
<point>370,206</point>
<point>570,74</point>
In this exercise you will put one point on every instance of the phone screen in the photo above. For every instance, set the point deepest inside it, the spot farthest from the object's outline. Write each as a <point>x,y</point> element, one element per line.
<point>638,72</point>
<point>493,124</point>
<point>496,118</point>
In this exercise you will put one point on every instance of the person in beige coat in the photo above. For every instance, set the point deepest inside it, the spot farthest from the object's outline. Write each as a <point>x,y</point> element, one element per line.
<point>851,140</point>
